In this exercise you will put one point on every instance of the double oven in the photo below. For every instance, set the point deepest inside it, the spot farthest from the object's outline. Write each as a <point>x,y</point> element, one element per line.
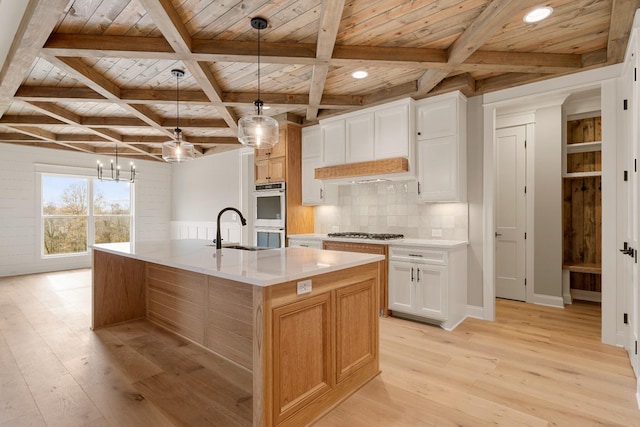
<point>270,210</point>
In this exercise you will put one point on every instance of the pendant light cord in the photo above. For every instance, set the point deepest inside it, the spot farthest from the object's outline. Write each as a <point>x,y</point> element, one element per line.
<point>177,102</point>
<point>259,102</point>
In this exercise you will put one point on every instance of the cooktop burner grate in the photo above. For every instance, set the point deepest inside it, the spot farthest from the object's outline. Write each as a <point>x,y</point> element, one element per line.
<point>371,236</point>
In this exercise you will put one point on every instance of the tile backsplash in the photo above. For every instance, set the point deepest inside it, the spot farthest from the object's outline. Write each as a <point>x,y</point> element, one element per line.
<point>392,207</point>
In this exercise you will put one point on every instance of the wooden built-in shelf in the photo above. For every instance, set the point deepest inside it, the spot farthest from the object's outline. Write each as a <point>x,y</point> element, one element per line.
<point>582,202</point>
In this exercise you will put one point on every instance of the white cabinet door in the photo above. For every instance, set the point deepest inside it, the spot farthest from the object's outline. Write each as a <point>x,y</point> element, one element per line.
<point>311,142</point>
<point>312,189</point>
<point>431,289</point>
<point>359,138</point>
<point>435,119</point>
<point>333,143</point>
<point>401,292</point>
<point>438,169</point>
<point>392,132</point>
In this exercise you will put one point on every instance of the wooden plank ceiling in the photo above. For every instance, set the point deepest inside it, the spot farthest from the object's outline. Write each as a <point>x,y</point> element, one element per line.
<point>86,75</point>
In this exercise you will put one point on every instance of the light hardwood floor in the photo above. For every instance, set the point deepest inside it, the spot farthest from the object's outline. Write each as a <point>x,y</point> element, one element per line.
<point>532,366</point>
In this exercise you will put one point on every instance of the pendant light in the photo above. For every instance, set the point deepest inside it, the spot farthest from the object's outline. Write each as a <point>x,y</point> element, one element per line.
<point>257,130</point>
<point>115,170</point>
<point>177,150</point>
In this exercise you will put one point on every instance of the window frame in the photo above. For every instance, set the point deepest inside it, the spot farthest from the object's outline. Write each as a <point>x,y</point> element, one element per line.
<point>77,173</point>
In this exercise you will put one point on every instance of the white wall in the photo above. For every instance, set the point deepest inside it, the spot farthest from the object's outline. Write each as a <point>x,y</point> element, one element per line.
<point>19,205</point>
<point>202,187</point>
<point>548,202</point>
<point>474,199</point>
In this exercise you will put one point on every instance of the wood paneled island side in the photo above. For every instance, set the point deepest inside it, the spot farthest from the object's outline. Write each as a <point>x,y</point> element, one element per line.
<point>306,351</point>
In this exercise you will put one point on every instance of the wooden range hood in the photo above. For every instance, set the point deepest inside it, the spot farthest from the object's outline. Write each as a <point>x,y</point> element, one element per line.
<point>371,168</point>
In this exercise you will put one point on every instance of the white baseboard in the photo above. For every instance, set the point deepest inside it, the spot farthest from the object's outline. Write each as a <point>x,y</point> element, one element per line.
<point>548,300</point>
<point>475,311</point>
<point>586,295</point>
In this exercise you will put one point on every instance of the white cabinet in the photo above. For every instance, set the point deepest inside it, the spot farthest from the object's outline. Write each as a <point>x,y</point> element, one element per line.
<point>442,148</point>
<point>375,133</point>
<point>314,191</point>
<point>391,133</point>
<point>418,289</point>
<point>359,138</point>
<point>333,143</point>
<point>428,284</point>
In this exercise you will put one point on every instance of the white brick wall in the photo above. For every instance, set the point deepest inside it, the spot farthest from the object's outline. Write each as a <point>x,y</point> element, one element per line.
<point>19,192</point>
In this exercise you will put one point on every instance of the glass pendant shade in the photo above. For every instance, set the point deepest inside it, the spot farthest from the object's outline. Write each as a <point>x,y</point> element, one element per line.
<point>177,150</point>
<point>258,131</point>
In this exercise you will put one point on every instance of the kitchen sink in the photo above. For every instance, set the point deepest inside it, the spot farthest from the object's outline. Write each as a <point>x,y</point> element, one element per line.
<point>243,247</point>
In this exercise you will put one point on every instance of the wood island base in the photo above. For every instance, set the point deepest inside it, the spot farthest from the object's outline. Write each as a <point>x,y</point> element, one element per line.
<point>306,353</point>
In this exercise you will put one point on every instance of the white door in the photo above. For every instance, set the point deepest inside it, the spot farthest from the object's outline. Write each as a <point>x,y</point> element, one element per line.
<point>511,213</point>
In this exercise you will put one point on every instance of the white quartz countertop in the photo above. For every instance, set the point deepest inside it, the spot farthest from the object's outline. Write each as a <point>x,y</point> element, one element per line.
<point>428,243</point>
<point>259,268</point>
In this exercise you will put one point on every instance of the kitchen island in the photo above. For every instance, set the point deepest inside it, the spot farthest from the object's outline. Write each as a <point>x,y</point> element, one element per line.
<point>302,321</point>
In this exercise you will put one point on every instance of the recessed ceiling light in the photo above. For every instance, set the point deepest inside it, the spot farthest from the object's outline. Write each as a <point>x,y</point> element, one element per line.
<point>538,14</point>
<point>359,74</point>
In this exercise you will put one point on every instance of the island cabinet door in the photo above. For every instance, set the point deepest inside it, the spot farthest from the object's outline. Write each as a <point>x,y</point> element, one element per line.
<point>356,337</point>
<point>302,362</point>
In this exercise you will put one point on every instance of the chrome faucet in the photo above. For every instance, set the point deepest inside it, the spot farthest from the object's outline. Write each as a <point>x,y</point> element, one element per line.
<point>218,236</point>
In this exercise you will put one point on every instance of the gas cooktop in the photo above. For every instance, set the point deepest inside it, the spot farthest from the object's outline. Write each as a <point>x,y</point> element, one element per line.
<point>371,236</point>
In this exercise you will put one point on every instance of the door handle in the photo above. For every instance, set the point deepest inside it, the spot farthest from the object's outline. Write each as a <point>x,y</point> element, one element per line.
<point>498,234</point>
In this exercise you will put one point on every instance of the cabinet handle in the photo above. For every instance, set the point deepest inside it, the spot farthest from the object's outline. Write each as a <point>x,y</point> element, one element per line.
<point>419,133</point>
<point>321,193</point>
<point>418,274</point>
<point>412,274</point>
<point>304,246</point>
<point>416,255</point>
<point>419,188</point>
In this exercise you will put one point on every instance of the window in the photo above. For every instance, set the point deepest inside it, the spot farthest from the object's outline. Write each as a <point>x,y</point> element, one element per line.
<point>78,212</point>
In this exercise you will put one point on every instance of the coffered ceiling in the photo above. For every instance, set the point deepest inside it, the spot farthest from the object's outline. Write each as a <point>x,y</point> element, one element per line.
<point>86,75</point>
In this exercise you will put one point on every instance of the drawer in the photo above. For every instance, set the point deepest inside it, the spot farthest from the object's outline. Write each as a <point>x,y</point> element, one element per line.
<point>316,244</point>
<point>418,254</point>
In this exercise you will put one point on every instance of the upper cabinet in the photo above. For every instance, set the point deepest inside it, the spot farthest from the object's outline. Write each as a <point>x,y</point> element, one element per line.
<point>374,133</point>
<point>391,134</point>
<point>270,163</point>
<point>441,148</point>
<point>313,190</point>
<point>333,143</point>
<point>366,138</point>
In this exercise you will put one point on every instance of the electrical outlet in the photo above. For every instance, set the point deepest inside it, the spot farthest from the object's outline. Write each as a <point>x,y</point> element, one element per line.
<point>436,232</point>
<point>304,287</point>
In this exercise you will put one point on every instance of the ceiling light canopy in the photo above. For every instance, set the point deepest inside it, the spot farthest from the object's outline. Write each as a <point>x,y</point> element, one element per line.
<point>537,14</point>
<point>177,150</point>
<point>360,74</point>
<point>258,130</point>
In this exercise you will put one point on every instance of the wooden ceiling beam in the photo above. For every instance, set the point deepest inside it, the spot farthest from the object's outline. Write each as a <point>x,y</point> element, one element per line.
<point>41,134</point>
<point>154,96</point>
<point>77,68</point>
<point>495,15</point>
<point>72,119</point>
<point>92,46</point>
<point>164,15</point>
<point>327,33</point>
<point>39,20</point>
<point>199,140</point>
<point>622,13</point>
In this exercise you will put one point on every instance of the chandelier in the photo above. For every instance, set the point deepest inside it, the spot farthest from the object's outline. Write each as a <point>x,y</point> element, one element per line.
<point>257,130</point>
<point>115,171</point>
<point>177,150</point>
